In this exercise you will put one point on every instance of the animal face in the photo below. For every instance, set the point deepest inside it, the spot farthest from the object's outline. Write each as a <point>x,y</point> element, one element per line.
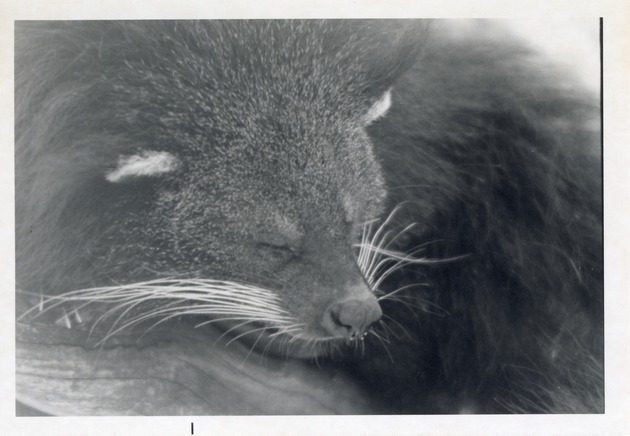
<point>221,160</point>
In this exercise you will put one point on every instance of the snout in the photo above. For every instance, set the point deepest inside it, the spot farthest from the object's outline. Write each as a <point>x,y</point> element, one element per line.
<point>351,318</point>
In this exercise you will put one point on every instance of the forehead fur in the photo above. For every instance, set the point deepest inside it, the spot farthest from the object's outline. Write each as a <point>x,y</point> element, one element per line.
<point>213,85</point>
<point>245,71</point>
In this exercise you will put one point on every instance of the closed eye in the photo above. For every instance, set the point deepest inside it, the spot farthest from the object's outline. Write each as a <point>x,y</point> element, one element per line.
<point>278,247</point>
<point>282,254</point>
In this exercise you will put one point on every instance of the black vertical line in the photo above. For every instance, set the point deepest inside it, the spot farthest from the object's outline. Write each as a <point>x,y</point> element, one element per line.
<point>601,139</point>
<point>192,428</point>
<point>601,93</point>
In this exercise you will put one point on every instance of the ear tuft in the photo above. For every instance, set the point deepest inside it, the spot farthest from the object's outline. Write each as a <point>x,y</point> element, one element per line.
<point>148,163</point>
<point>380,108</point>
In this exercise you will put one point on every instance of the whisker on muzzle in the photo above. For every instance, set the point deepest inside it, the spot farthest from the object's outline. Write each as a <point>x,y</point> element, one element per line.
<point>162,300</point>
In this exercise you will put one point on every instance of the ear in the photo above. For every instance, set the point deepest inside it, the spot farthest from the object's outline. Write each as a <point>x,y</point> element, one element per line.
<point>379,108</point>
<point>145,164</point>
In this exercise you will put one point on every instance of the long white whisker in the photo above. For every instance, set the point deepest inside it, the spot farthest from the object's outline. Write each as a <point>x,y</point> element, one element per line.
<point>402,288</point>
<point>172,298</point>
<point>261,329</point>
<point>375,237</point>
<point>381,340</point>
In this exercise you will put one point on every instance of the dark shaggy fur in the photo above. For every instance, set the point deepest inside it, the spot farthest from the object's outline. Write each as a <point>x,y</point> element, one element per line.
<point>491,151</point>
<point>500,163</point>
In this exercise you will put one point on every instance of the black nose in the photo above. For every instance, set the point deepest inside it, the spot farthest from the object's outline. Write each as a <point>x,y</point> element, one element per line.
<point>351,318</point>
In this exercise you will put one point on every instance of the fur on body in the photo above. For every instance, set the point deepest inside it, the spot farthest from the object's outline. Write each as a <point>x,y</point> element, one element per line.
<point>255,152</point>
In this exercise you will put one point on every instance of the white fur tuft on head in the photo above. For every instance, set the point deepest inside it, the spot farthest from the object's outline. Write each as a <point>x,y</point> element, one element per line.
<point>148,163</point>
<point>379,108</point>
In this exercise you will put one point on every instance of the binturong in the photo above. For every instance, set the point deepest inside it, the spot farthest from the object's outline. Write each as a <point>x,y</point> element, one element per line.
<point>377,216</point>
<point>183,157</point>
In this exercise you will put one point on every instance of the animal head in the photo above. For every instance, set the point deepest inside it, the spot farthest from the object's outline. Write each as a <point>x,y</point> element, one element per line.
<point>230,151</point>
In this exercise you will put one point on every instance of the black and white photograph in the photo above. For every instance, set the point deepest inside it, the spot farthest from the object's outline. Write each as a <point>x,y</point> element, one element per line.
<point>241,217</point>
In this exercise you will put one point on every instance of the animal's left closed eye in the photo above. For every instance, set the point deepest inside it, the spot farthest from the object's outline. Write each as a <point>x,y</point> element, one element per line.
<point>279,251</point>
<point>279,255</point>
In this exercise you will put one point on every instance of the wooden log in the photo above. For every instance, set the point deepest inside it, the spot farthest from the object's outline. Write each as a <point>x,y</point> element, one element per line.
<point>174,371</point>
